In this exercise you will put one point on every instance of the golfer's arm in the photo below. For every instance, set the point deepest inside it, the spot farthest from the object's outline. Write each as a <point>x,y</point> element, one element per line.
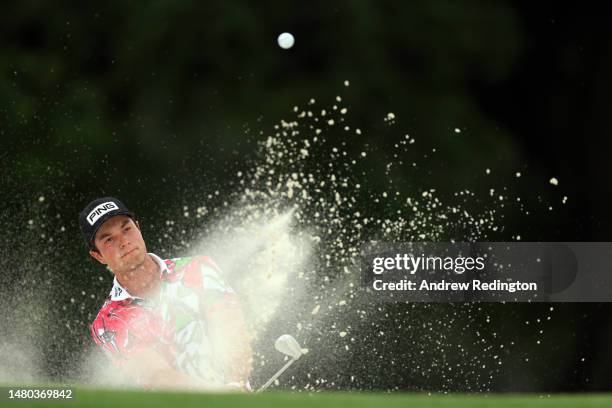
<point>150,369</point>
<point>232,343</point>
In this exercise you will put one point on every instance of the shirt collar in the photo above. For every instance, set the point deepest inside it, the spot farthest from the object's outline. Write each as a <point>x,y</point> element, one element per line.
<point>118,292</point>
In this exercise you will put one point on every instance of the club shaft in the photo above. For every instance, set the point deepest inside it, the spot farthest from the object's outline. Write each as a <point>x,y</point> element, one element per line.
<point>275,376</point>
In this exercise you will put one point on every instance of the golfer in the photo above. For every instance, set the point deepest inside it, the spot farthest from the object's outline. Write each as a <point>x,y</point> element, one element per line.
<point>166,323</point>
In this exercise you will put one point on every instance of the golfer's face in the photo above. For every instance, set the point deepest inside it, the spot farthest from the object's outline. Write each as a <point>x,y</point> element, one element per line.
<point>120,244</point>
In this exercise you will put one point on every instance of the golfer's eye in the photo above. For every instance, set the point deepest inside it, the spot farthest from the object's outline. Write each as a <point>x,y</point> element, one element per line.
<point>108,240</point>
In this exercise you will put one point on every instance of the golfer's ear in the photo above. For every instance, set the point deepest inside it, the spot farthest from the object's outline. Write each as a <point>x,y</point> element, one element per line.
<point>97,256</point>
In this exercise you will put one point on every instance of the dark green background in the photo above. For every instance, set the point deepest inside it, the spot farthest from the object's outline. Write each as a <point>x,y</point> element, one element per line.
<point>161,103</point>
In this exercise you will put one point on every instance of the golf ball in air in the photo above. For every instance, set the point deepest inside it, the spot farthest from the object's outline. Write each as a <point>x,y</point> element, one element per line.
<point>286,40</point>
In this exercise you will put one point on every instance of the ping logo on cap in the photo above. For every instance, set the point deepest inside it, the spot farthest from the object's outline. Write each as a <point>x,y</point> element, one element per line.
<point>100,210</point>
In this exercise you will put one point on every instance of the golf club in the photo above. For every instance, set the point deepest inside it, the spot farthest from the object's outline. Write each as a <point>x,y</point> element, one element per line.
<point>289,346</point>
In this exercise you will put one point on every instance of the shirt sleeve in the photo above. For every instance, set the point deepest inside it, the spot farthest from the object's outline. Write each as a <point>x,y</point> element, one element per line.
<point>217,294</point>
<point>123,329</point>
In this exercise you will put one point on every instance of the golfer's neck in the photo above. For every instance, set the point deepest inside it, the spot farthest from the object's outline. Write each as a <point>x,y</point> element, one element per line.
<point>142,281</point>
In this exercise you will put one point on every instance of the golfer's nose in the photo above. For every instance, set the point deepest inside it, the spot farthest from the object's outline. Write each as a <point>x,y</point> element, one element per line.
<point>123,241</point>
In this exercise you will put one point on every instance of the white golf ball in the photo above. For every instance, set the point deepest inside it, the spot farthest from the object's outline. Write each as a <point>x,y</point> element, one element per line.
<point>286,40</point>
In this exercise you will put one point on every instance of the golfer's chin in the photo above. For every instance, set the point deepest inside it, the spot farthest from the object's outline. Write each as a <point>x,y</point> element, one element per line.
<point>133,259</point>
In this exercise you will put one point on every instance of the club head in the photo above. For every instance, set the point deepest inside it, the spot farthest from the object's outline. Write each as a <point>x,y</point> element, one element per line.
<point>288,345</point>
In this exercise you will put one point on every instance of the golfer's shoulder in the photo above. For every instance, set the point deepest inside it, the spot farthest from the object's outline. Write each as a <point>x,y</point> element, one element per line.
<point>115,311</point>
<point>188,263</point>
<point>194,271</point>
